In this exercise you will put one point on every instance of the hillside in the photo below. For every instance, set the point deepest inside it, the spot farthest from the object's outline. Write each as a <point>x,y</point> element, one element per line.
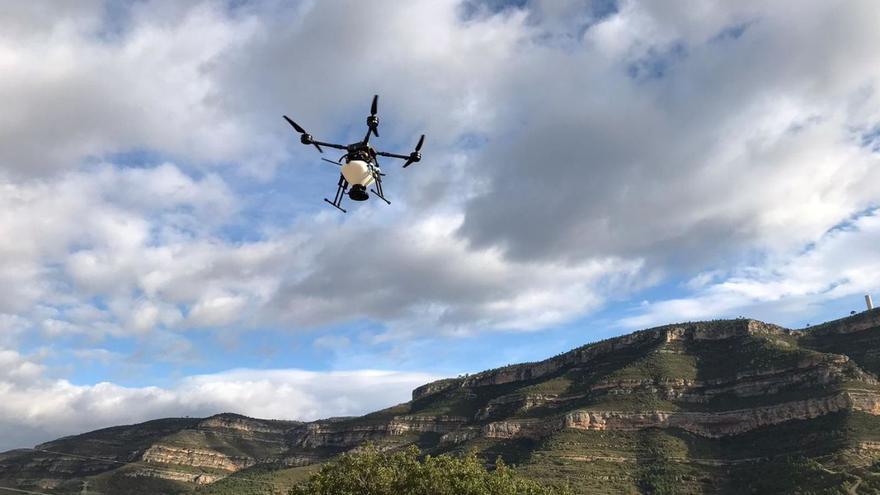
<point>732,406</point>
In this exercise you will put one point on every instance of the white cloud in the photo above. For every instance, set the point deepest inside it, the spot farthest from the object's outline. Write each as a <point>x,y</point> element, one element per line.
<point>96,235</point>
<point>609,148</point>
<point>845,263</point>
<point>418,277</point>
<point>651,147</point>
<point>150,88</point>
<point>652,139</point>
<point>39,408</point>
<point>86,234</point>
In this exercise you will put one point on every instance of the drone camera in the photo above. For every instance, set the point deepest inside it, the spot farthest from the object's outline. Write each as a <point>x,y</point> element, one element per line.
<point>358,193</point>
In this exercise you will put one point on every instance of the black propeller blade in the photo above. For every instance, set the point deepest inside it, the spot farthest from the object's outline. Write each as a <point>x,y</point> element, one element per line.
<point>372,120</point>
<point>415,156</point>
<point>305,137</point>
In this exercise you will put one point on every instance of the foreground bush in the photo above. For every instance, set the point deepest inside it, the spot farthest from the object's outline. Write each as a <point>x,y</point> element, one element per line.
<point>371,472</point>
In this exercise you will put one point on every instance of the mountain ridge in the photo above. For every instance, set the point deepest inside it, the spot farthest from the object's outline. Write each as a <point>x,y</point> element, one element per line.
<point>684,404</point>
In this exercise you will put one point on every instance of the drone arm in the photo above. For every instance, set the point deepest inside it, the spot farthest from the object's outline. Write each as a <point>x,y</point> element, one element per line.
<point>330,145</point>
<point>392,155</point>
<point>307,139</point>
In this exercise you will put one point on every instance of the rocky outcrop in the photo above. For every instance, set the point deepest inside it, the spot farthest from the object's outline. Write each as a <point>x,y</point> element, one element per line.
<point>720,330</point>
<point>460,436</point>
<point>186,477</point>
<point>706,424</point>
<point>720,424</point>
<point>195,457</point>
<point>520,403</point>
<point>851,324</point>
<point>350,434</point>
<point>243,424</point>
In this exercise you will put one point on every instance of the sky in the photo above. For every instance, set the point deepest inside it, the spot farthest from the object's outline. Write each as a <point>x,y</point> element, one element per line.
<point>591,168</point>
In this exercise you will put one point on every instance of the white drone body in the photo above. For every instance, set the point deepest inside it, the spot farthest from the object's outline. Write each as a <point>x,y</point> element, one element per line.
<point>358,172</point>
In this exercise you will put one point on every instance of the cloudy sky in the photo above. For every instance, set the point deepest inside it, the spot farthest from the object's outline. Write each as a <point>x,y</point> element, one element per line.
<point>591,168</point>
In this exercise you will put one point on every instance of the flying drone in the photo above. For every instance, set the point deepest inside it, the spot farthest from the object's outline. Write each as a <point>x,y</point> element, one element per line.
<point>360,163</point>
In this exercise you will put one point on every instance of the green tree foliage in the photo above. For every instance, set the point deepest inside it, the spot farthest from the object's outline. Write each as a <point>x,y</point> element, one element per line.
<point>373,472</point>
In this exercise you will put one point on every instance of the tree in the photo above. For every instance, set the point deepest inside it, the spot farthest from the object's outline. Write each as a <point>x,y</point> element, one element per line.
<point>373,472</point>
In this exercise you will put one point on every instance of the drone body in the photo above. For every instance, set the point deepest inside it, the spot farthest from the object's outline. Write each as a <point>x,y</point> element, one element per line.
<point>360,163</point>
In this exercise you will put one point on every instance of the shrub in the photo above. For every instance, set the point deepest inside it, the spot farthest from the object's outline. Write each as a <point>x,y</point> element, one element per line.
<point>403,472</point>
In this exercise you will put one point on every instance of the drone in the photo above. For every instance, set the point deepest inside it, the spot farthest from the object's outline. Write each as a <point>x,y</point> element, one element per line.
<point>360,163</point>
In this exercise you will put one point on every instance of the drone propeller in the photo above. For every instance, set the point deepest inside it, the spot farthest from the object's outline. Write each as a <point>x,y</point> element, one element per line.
<point>372,120</point>
<point>305,137</point>
<point>415,156</point>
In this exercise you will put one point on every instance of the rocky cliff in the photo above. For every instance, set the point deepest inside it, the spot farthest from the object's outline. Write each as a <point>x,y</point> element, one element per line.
<point>705,407</point>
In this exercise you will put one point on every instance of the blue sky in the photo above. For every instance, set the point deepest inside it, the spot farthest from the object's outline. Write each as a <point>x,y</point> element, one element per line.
<point>591,168</point>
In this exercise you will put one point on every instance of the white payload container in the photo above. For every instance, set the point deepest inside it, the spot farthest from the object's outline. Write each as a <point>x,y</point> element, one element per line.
<point>357,172</point>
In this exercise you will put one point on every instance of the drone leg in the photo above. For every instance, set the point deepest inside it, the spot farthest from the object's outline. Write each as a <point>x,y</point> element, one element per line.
<point>335,205</point>
<point>378,191</point>
<point>340,193</point>
<point>380,196</point>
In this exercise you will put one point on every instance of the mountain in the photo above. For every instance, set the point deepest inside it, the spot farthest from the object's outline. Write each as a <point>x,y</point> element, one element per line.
<point>728,406</point>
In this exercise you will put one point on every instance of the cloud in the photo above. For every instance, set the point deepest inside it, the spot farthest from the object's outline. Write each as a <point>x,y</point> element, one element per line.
<point>93,253</point>
<point>67,240</point>
<point>149,88</point>
<point>844,263</point>
<point>657,144</point>
<point>152,250</point>
<point>661,141</point>
<point>651,138</point>
<point>38,408</point>
<point>422,277</point>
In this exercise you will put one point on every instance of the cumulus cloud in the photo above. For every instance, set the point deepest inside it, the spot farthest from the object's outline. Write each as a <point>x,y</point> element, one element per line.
<point>151,249</point>
<point>421,276</point>
<point>645,152</point>
<point>845,262</point>
<point>148,88</point>
<point>684,134</point>
<point>90,253</point>
<point>37,408</point>
<point>68,239</point>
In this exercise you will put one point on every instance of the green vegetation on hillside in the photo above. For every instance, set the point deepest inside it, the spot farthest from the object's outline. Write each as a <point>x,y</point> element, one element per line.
<point>259,480</point>
<point>862,347</point>
<point>404,472</point>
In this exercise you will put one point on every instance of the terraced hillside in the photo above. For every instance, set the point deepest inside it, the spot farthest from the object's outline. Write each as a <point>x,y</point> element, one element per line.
<point>734,406</point>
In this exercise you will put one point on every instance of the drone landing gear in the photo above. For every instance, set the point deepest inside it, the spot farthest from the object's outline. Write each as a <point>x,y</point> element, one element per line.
<point>378,191</point>
<point>335,205</point>
<point>340,192</point>
<point>380,196</point>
